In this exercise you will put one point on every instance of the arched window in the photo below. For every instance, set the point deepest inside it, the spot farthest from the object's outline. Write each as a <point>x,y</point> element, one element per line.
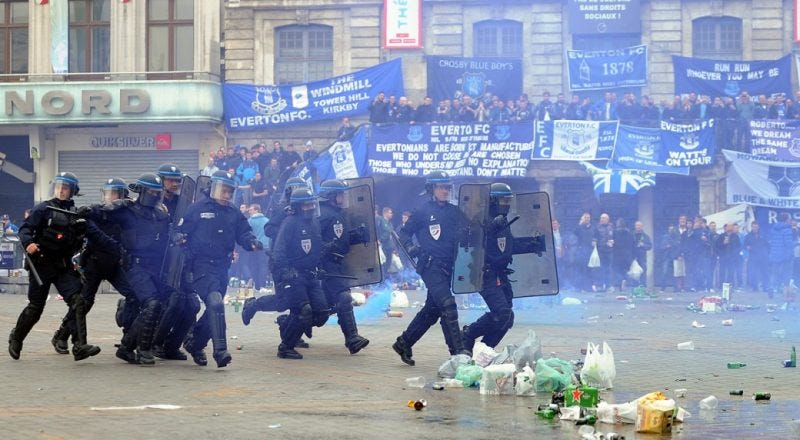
<point>497,38</point>
<point>717,38</point>
<point>14,36</point>
<point>303,53</point>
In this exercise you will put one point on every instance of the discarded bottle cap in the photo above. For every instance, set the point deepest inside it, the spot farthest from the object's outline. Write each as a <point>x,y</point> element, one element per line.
<point>736,393</point>
<point>394,314</point>
<point>762,396</point>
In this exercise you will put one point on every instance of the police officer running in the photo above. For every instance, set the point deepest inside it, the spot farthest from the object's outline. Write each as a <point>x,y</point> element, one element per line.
<point>50,237</point>
<point>437,226</point>
<point>211,229</point>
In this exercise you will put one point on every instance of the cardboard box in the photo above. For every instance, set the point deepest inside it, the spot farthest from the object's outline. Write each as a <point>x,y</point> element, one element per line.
<point>585,397</point>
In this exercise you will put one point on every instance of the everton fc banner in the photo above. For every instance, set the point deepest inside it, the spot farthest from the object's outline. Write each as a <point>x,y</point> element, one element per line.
<point>775,139</point>
<point>730,78</point>
<point>688,145</point>
<point>481,150</point>
<point>341,160</point>
<point>639,148</point>
<point>574,140</point>
<point>449,77</point>
<point>607,69</point>
<point>254,107</point>
<point>762,182</point>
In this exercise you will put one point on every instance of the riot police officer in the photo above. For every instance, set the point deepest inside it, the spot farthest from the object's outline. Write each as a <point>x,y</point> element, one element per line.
<point>211,228</point>
<point>437,225</point>
<point>296,257</point>
<point>496,292</point>
<point>98,262</point>
<point>145,235</point>
<point>171,177</point>
<point>50,236</point>
<point>337,236</point>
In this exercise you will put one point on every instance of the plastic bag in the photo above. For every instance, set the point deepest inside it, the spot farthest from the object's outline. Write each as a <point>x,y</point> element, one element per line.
<point>482,354</point>
<point>552,374</point>
<point>396,265</point>
<point>450,367</point>
<point>616,413</point>
<point>498,379</point>
<point>598,369</point>
<point>524,382</point>
<point>469,374</point>
<point>381,256</point>
<point>635,271</point>
<point>594,259</point>
<point>528,352</point>
<point>399,300</point>
<point>678,268</point>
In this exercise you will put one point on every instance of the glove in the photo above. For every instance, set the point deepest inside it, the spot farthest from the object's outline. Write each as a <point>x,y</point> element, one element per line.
<point>84,211</point>
<point>80,226</point>
<point>256,245</point>
<point>499,222</point>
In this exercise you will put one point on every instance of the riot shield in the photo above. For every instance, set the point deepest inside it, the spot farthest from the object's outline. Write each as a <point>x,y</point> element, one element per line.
<point>362,262</point>
<point>173,259</point>
<point>202,188</point>
<point>473,200</point>
<point>533,233</point>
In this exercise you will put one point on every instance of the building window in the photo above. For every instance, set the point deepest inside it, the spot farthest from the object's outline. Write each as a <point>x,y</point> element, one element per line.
<point>304,53</point>
<point>170,35</point>
<point>498,38</point>
<point>89,36</point>
<point>717,37</point>
<point>14,36</point>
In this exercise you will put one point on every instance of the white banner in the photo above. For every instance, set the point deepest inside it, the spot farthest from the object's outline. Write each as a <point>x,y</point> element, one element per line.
<point>402,24</point>
<point>762,182</point>
<point>575,140</point>
<point>740,214</point>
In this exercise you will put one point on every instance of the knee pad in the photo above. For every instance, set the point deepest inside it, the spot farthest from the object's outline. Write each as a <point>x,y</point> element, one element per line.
<point>344,301</point>
<point>306,314</point>
<point>449,309</point>
<point>504,318</point>
<point>151,308</point>
<point>214,301</point>
<point>192,303</point>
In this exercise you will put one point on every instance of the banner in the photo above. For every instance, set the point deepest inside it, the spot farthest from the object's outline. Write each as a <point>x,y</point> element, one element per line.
<point>59,37</point>
<point>402,24</point>
<point>480,150</point>
<point>341,160</point>
<point>619,181</point>
<point>639,148</point>
<point>449,77</point>
<point>688,145</point>
<point>741,214</point>
<point>766,217</point>
<point>604,16</point>
<point>762,182</point>
<point>257,107</point>
<point>607,69</point>
<point>775,139</point>
<point>574,140</point>
<point>728,78</point>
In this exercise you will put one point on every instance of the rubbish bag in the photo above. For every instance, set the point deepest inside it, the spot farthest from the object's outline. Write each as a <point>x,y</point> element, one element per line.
<point>450,367</point>
<point>594,259</point>
<point>616,413</point>
<point>524,382</point>
<point>396,264</point>
<point>528,352</point>
<point>399,300</point>
<point>498,380</point>
<point>381,256</point>
<point>635,271</point>
<point>482,354</point>
<point>552,374</point>
<point>598,369</point>
<point>505,356</point>
<point>469,374</point>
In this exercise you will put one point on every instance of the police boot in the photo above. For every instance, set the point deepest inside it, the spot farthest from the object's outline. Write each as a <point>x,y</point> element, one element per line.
<point>249,310</point>
<point>60,338</point>
<point>149,319</point>
<point>162,352</point>
<point>352,340</point>
<point>27,319</point>
<point>281,321</point>
<point>404,350</point>
<point>218,339</point>
<point>119,316</point>
<point>285,352</point>
<point>80,349</point>
<point>126,354</point>
<point>14,345</point>
<point>197,354</point>
<point>469,339</point>
<point>453,335</point>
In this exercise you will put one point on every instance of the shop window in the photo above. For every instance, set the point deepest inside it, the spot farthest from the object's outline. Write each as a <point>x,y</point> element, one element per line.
<point>497,38</point>
<point>170,35</point>
<point>304,53</point>
<point>14,36</point>
<point>717,38</point>
<point>89,36</point>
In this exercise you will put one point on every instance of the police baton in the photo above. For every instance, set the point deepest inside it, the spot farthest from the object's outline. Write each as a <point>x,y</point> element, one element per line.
<point>31,266</point>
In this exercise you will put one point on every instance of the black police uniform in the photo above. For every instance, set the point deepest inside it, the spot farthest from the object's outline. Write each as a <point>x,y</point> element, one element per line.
<point>212,230</point>
<point>437,228</point>
<point>296,257</point>
<point>145,236</point>
<point>59,236</point>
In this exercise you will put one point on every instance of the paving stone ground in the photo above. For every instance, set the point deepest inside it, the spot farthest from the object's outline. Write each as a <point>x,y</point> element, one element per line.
<point>331,394</point>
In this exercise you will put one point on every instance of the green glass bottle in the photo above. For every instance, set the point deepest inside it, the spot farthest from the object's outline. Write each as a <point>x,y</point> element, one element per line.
<point>735,365</point>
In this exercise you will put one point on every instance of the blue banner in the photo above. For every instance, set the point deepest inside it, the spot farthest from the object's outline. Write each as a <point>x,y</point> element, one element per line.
<point>640,148</point>
<point>766,217</point>
<point>449,77</point>
<point>254,107</point>
<point>730,78</point>
<point>688,145</point>
<point>604,16</point>
<point>574,140</point>
<point>481,150</point>
<point>775,139</point>
<point>607,69</point>
<point>619,181</point>
<point>342,160</point>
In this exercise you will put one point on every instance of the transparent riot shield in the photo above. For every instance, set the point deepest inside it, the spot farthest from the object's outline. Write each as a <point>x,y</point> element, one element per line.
<point>473,200</point>
<point>173,259</point>
<point>534,263</point>
<point>202,187</point>
<point>362,262</point>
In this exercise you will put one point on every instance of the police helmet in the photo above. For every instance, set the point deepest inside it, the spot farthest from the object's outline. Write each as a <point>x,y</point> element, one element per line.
<point>436,179</point>
<point>329,189</point>
<point>171,173</point>
<point>150,188</point>
<point>500,198</point>
<point>65,180</point>
<point>222,186</point>
<point>114,189</point>
<point>293,183</point>
<point>304,202</point>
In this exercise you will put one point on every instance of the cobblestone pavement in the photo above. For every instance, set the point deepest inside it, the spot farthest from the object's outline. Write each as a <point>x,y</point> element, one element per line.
<point>331,394</point>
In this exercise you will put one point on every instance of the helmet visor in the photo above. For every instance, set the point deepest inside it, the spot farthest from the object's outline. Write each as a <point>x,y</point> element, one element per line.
<point>221,191</point>
<point>62,190</point>
<point>150,197</point>
<point>172,184</point>
<point>111,194</point>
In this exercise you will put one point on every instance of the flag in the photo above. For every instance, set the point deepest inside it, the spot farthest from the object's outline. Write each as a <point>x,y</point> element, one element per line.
<point>619,181</point>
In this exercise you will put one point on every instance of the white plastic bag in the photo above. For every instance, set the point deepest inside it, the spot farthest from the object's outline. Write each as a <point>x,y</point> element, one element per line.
<point>598,369</point>
<point>396,265</point>
<point>450,366</point>
<point>528,352</point>
<point>498,379</point>
<point>635,272</point>
<point>381,256</point>
<point>523,383</point>
<point>594,259</point>
<point>616,413</point>
<point>399,300</point>
<point>482,354</point>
